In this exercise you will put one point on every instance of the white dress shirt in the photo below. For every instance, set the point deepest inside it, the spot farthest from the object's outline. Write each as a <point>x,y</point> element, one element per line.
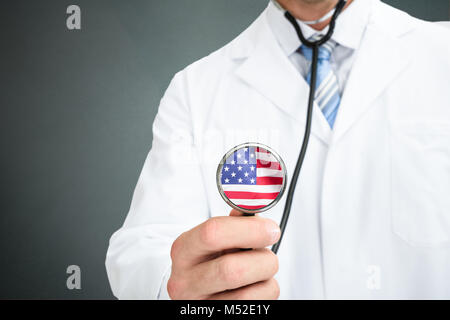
<point>348,33</point>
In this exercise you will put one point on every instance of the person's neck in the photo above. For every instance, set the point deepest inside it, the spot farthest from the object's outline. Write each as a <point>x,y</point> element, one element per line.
<point>310,10</point>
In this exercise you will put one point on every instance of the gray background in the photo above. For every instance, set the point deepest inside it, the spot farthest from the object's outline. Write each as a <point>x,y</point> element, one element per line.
<point>76,115</point>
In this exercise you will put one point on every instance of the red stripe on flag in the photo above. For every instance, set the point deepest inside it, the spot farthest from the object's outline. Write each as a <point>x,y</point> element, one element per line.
<point>268,165</point>
<point>250,195</point>
<point>269,180</point>
<point>262,150</point>
<point>251,207</point>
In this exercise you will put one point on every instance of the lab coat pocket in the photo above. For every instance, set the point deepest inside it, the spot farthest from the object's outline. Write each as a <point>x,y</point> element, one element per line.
<point>421,182</point>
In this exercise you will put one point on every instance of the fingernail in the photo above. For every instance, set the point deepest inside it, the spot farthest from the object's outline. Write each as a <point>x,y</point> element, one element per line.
<point>274,231</point>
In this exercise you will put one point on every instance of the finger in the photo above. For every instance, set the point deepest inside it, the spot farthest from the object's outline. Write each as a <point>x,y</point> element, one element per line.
<point>265,290</point>
<point>233,271</point>
<point>221,233</point>
<point>237,213</point>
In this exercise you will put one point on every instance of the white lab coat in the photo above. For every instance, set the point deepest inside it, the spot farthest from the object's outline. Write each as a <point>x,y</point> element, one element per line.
<point>371,213</point>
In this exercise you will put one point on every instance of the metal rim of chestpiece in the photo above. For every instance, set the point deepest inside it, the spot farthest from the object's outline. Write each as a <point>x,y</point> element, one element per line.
<point>223,161</point>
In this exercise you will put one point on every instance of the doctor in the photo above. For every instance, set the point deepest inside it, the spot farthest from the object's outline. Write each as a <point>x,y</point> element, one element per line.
<point>370,218</point>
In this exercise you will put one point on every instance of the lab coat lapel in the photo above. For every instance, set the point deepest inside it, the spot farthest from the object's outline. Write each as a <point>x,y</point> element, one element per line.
<point>268,70</point>
<point>378,62</point>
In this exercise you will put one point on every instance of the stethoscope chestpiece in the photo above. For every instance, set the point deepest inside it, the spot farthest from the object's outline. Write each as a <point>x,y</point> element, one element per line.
<point>251,178</point>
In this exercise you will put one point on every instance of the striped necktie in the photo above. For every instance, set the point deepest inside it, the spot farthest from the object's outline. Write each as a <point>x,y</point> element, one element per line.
<point>327,94</point>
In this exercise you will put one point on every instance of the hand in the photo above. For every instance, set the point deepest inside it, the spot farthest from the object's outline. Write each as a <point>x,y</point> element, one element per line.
<point>208,264</point>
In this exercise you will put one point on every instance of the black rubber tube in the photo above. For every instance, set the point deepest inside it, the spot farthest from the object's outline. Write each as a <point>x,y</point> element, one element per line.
<point>301,157</point>
<point>312,91</point>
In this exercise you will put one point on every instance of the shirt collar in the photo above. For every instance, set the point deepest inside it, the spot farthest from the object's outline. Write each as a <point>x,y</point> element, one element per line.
<point>348,31</point>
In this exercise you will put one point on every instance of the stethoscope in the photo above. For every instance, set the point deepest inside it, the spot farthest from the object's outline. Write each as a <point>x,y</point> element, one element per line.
<point>245,156</point>
<point>312,90</point>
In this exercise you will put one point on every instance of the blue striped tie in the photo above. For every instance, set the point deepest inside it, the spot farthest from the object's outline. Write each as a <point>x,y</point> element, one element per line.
<point>327,94</point>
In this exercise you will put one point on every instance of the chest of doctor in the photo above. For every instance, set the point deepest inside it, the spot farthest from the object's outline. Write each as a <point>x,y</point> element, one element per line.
<point>386,163</point>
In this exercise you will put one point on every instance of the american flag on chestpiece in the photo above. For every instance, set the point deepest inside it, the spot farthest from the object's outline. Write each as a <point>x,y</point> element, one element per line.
<point>251,177</point>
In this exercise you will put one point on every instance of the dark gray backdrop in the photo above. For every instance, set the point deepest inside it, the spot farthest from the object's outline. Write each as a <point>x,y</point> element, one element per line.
<point>76,114</point>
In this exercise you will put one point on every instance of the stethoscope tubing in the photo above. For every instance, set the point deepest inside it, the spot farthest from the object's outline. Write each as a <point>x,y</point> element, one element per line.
<point>312,91</point>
